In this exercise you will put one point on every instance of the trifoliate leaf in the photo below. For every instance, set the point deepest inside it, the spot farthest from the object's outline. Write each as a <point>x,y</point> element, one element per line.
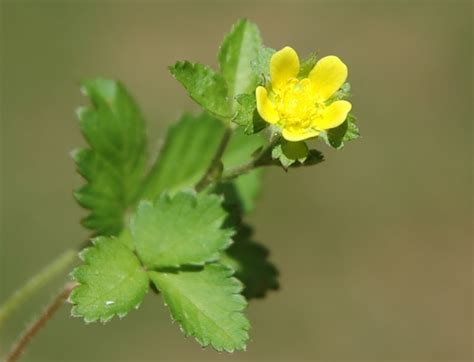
<point>189,147</point>
<point>236,53</point>
<point>207,305</point>
<point>184,229</point>
<point>205,87</point>
<point>113,165</point>
<point>249,259</point>
<point>347,131</point>
<point>111,281</point>
<point>261,65</point>
<point>247,115</point>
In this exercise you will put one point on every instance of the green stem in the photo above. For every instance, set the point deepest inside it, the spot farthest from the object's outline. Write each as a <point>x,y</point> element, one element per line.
<point>215,168</point>
<point>262,159</point>
<point>36,283</point>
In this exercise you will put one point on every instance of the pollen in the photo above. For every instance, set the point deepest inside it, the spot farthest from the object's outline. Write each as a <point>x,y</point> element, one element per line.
<point>296,105</point>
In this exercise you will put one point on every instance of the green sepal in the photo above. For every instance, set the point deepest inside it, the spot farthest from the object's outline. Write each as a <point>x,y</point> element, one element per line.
<point>207,304</point>
<point>294,154</point>
<point>261,65</point>
<point>289,153</point>
<point>347,131</point>
<point>111,281</point>
<point>307,65</point>
<point>342,94</point>
<point>314,157</point>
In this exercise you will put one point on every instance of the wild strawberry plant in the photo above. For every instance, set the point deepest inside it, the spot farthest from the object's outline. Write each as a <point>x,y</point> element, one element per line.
<point>178,229</point>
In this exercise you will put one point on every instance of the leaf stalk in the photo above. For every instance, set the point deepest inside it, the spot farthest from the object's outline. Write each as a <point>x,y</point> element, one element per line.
<point>35,283</point>
<point>263,158</point>
<point>215,168</point>
<point>31,331</point>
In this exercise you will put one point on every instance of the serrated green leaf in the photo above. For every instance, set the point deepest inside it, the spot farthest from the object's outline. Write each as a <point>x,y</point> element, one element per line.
<point>247,115</point>
<point>347,131</point>
<point>249,259</point>
<point>113,166</point>
<point>111,281</point>
<point>189,147</point>
<point>207,305</point>
<point>236,54</point>
<point>184,229</point>
<point>205,87</point>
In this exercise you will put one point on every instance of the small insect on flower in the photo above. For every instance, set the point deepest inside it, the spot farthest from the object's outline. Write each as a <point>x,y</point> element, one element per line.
<point>300,107</point>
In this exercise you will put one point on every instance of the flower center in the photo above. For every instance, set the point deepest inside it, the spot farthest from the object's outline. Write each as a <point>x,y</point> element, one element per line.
<point>297,105</point>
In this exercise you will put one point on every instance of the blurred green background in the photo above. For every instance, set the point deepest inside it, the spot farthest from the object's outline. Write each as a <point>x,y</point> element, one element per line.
<point>374,245</point>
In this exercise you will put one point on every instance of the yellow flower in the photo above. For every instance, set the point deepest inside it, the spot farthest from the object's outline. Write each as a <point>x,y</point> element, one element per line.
<point>299,106</point>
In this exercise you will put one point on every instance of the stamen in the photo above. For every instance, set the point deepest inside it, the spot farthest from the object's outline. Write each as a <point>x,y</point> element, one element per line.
<point>297,106</point>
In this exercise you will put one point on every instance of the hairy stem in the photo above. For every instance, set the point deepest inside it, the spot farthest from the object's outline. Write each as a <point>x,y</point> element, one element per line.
<point>47,314</point>
<point>36,283</point>
<point>261,159</point>
<point>216,164</point>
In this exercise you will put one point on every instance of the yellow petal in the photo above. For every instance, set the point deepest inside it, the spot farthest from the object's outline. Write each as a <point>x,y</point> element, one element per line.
<point>284,65</point>
<point>327,76</point>
<point>265,107</point>
<point>334,115</point>
<point>294,136</point>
